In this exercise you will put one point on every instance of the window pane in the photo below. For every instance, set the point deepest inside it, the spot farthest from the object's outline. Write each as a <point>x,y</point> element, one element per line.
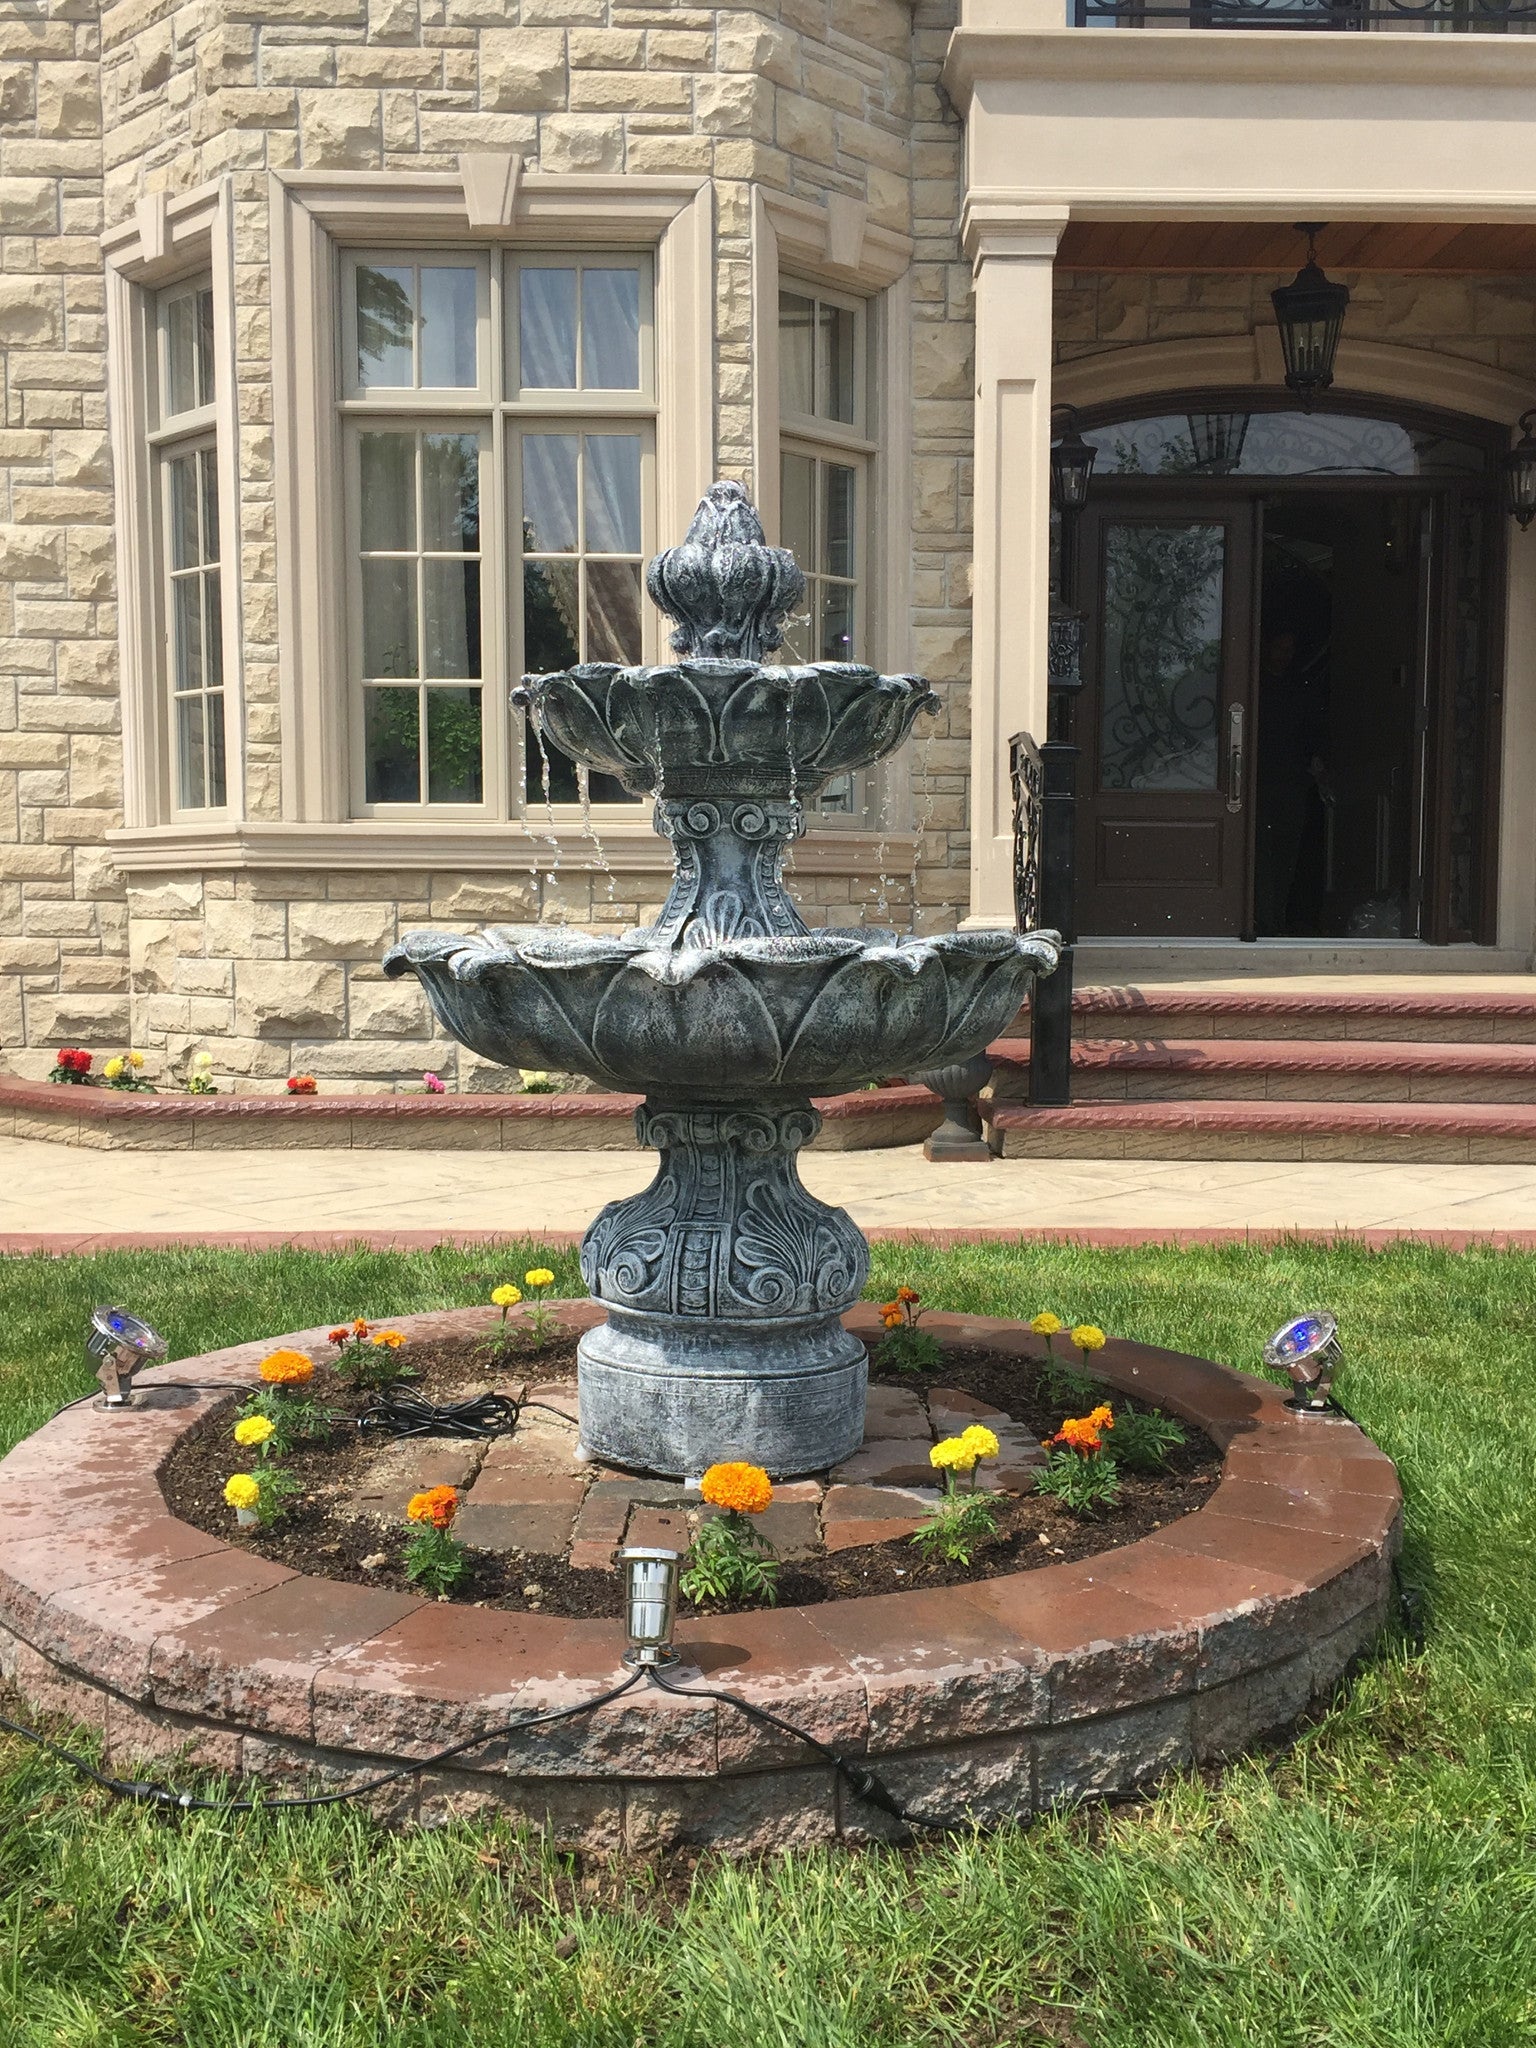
<point>613,494</point>
<point>797,480</point>
<point>450,491</point>
<point>187,632</point>
<point>213,639</point>
<point>613,611</point>
<point>1162,655</point>
<point>551,614</point>
<point>389,617</point>
<point>191,775</point>
<point>182,478</point>
<point>214,722</point>
<point>610,330</point>
<point>835,362</point>
<point>837,797</point>
<point>796,390</point>
<point>205,392</point>
<point>549,493</point>
<point>208,476</point>
<point>836,622</point>
<point>385,321</point>
<point>547,329</point>
<point>453,747</point>
<point>181,354</point>
<point>392,743</point>
<point>451,598</point>
<point>388,490</point>
<point>448,323</point>
<point>837,525</point>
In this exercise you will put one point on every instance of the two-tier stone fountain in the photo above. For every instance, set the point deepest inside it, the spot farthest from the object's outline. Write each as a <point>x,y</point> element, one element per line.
<point>724,1281</point>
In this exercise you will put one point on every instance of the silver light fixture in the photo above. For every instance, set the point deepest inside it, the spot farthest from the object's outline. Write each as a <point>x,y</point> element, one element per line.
<point>650,1604</point>
<point>1307,1349</point>
<point>1520,474</point>
<point>121,1344</point>
<point>1309,312</point>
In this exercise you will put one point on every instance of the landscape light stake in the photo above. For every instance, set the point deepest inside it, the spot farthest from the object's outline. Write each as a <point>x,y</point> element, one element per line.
<point>650,1605</point>
<point>121,1344</point>
<point>1308,1349</point>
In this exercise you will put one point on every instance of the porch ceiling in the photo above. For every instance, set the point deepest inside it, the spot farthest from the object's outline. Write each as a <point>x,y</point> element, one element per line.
<point>1448,247</point>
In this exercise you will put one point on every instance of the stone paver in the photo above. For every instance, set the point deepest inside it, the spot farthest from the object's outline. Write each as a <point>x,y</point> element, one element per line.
<point>53,1189</point>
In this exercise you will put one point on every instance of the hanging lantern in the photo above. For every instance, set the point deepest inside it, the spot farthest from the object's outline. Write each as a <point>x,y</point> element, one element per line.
<point>1520,473</point>
<point>1310,314</point>
<point>1072,461</point>
<point>1217,439</point>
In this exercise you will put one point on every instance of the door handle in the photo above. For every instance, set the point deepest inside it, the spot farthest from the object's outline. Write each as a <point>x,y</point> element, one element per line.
<point>1235,757</point>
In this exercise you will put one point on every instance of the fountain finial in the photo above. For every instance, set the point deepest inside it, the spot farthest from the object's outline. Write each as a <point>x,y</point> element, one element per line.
<point>728,590</point>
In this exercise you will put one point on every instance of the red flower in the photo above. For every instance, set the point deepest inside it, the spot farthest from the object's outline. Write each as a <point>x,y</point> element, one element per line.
<point>302,1084</point>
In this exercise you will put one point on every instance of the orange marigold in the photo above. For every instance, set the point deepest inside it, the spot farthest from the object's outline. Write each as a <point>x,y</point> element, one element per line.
<point>893,1320</point>
<point>744,1488</point>
<point>359,1326</point>
<point>339,1335</point>
<point>438,1505</point>
<point>908,1294</point>
<point>287,1368</point>
<point>1103,1417</point>
<point>1080,1433</point>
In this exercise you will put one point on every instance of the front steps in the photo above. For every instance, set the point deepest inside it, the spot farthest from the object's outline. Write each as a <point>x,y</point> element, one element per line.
<point>1296,1074</point>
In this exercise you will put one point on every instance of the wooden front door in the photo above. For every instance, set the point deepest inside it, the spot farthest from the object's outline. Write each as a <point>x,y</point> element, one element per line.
<point>1166,717</point>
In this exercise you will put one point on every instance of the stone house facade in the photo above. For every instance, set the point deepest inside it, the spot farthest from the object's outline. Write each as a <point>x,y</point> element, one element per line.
<point>270,270</point>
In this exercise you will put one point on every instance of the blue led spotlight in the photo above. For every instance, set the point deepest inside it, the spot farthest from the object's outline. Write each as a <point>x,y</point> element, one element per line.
<point>121,1343</point>
<point>1307,1349</point>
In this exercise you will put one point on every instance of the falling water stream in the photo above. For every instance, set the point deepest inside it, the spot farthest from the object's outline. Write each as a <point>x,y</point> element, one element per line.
<point>924,750</point>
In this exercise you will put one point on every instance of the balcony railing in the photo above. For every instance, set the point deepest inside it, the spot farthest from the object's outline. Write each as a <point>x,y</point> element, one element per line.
<point>1423,17</point>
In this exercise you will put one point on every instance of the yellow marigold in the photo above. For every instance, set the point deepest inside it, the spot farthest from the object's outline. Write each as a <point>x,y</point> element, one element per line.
<point>981,1440</point>
<point>114,1069</point>
<point>135,1059</point>
<point>745,1488</point>
<point>954,1454</point>
<point>538,1276</point>
<point>287,1368</point>
<point>507,1296</point>
<point>254,1429</point>
<point>438,1505</point>
<point>1045,1324</point>
<point>1089,1337</point>
<point>390,1339</point>
<point>1103,1417</point>
<point>241,1491</point>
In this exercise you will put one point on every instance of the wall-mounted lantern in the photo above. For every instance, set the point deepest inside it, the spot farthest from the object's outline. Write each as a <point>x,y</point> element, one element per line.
<point>1520,474</point>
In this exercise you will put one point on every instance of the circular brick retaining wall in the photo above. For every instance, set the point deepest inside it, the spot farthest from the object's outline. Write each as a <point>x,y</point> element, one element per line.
<point>1000,1697</point>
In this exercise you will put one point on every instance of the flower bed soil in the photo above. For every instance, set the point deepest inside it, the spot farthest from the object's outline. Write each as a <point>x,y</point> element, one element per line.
<point>323,1536</point>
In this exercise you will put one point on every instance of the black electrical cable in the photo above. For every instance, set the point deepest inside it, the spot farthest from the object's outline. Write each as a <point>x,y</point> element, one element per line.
<point>188,1802</point>
<point>400,1411</point>
<point>860,1780</point>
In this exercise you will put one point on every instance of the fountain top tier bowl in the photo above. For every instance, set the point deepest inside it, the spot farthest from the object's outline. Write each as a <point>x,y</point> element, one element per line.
<point>718,722</point>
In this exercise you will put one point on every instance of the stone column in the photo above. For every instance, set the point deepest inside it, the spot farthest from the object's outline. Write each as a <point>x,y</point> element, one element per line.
<point>1013,249</point>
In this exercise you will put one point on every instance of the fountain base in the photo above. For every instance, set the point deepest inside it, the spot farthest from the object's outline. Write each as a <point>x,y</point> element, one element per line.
<point>725,1282</point>
<point>660,1395</point>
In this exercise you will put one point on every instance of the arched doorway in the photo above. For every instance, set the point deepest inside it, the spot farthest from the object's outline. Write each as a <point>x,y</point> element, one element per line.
<point>1289,720</point>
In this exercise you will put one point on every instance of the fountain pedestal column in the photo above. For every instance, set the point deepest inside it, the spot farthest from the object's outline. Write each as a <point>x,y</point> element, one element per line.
<point>725,1283</point>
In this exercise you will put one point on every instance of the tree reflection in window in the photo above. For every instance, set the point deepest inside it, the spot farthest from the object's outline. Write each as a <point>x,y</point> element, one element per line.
<point>1162,655</point>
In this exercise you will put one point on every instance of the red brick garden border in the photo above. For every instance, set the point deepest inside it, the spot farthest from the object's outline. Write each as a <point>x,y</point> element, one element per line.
<point>1002,1697</point>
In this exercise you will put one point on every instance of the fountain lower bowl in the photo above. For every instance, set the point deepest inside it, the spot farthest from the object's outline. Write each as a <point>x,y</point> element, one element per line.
<point>738,1019</point>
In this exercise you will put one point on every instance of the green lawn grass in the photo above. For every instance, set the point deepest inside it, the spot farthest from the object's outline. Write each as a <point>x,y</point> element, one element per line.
<point>1372,1887</point>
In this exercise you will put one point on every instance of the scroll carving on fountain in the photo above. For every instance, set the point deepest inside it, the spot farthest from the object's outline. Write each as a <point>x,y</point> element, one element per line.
<point>725,1281</point>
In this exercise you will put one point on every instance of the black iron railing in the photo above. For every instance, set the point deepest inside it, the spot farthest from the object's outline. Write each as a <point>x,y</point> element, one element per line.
<point>1431,17</point>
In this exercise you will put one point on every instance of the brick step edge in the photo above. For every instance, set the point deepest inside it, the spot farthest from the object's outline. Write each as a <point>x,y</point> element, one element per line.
<point>860,1119</point>
<point>1353,1013</point>
<point>1431,1132</point>
<point>1409,1056</point>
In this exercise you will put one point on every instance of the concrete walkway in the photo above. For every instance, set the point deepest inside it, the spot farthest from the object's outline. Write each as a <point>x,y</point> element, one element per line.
<point>58,1197</point>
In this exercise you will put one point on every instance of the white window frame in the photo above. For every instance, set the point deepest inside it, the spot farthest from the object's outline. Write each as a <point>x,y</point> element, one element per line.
<point>836,252</point>
<point>165,246</point>
<point>501,409</point>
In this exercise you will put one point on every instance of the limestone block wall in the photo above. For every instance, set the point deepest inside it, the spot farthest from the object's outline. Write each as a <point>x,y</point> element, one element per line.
<point>63,908</point>
<point>1488,320</point>
<point>104,102</point>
